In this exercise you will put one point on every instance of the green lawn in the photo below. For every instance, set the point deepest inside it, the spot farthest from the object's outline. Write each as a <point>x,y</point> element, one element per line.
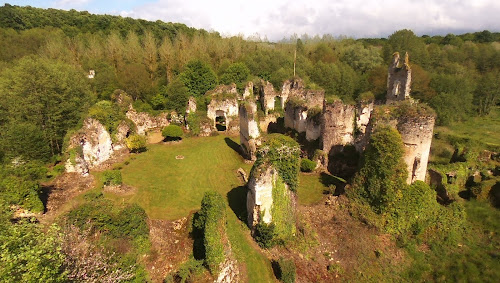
<point>310,190</point>
<point>169,188</point>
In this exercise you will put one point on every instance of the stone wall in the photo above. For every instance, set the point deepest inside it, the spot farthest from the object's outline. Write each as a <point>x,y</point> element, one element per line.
<point>260,195</point>
<point>337,125</point>
<point>90,147</point>
<point>296,117</point>
<point>249,129</point>
<point>267,96</point>
<point>363,114</point>
<point>398,79</point>
<point>145,122</point>
<point>248,90</point>
<point>416,133</point>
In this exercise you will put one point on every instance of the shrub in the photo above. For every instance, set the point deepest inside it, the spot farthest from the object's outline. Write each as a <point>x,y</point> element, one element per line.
<point>307,165</point>
<point>172,132</point>
<point>22,192</point>
<point>264,235</point>
<point>112,177</point>
<point>286,270</point>
<point>98,214</point>
<point>136,143</point>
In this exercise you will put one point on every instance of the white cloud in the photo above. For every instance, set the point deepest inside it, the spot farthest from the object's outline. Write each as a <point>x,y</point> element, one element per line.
<point>281,18</point>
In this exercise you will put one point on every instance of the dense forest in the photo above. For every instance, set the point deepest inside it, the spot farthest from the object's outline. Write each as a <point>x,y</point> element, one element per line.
<point>46,56</point>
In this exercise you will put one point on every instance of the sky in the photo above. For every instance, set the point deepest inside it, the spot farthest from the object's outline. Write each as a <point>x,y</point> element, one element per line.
<point>278,19</point>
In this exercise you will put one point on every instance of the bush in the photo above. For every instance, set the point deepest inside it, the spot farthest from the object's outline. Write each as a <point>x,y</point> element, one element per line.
<point>22,192</point>
<point>112,177</point>
<point>307,165</point>
<point>136,143</point>
<point>286,272</point>
<point>172,132</point>
<point>98,214</point>
<point>264,235</point>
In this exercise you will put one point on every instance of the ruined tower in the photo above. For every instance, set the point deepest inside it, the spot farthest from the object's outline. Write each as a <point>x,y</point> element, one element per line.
<point>398,79</point>
<point>416,133</point>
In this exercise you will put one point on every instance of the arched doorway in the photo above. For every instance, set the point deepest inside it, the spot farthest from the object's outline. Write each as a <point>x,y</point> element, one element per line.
<point>220,121</point>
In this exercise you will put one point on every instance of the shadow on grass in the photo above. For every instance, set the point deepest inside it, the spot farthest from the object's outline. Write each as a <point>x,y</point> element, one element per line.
<point>329,180</point>
<point>169,139</point>
<point>234,146</point>
<point>237,199</point>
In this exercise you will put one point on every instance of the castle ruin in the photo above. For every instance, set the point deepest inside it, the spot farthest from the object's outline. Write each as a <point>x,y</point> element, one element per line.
<point>398,79</point>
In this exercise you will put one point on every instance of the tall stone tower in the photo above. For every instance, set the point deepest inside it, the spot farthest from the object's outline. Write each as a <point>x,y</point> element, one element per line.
<point>398,79</point>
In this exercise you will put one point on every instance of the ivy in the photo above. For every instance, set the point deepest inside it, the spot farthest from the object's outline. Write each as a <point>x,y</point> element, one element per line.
<point>283,153</point>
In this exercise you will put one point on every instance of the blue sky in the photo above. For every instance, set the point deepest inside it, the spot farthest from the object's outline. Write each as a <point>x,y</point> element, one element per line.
<point>277,19</point>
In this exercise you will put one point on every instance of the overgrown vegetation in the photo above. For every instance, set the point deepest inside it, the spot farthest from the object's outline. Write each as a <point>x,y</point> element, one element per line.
<point>283,153</point>
<point>211,222</point>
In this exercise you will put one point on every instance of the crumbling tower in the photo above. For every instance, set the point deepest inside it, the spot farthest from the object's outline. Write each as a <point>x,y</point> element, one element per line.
<point>398,79</point>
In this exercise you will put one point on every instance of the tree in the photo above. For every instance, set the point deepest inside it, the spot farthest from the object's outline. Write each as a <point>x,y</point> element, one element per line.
<point>50,95</point>
<point>198,77</point>
<point>403,41</point>
<point>177,96</point>
<point>487,94</point>
<point>29,255</point>
<point>236,73</point>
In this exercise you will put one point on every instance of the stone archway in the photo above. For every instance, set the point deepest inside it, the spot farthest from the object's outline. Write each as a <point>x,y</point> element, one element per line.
<point>220,121</point>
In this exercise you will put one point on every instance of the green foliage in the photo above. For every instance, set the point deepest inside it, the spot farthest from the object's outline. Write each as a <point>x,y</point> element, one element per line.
<point>287,271</point>
<point>24,140</point>
<point>158,102</point>
<point>172,131</point>
<point>100,215</point>
<point>198,77</point>
<point>237,73</point>
<point>383,174</point>
<point>282,212</point>
<point>187,272</point>
<point>414,211</point>
<point>61,97</point>
<point>112,177</point>
<point>284,154</point>
<point>265,234</point>
<point>108,113</point>
<point>177,96</point>
<point>307,165</point>
<point>30,255</point>
<point>21,191</point>
<point>136,143</point>
<point>487,93</point>
<point>212,221</point>
<point>193,121</point>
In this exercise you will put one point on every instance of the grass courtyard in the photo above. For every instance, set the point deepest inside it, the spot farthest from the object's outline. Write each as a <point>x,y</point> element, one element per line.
<point>170,188</point>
